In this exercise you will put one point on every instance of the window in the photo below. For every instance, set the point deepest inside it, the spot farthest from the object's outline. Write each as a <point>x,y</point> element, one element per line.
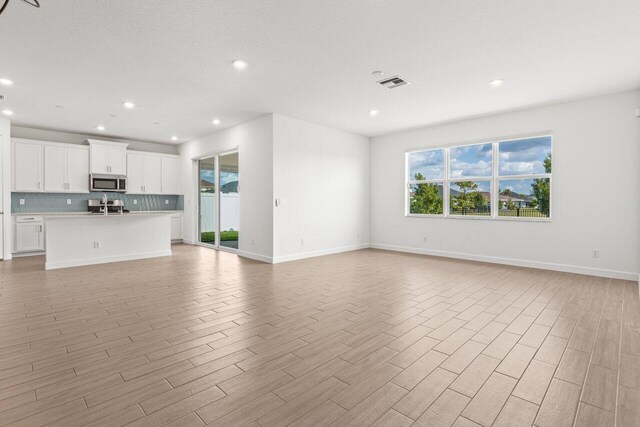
<point>527,191</point>
<point>426,182</point>
<point>469,196</point>
<point>509,179</point>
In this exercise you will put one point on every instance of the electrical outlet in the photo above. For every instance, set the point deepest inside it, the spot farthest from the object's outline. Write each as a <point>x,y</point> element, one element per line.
<point>68,201</point>
<point>302,241</point>
<point>358,236</point>
<point>166,202</point>
<point>251,242</point>
<point>22,201</point>
<point>595,253</point>
<point>135,201</point>
<point>424,239</point>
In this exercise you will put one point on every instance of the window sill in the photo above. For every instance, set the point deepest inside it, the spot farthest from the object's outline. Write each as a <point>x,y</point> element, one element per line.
<point>481,218</point>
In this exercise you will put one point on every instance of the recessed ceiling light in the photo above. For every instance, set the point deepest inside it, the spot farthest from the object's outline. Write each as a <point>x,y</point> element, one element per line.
<point>239,64</point>
<point>129,105</point>
<point>174,138</point>
<point>5,82</point>
<point>59,107</point>
<point>100,128</point>
<point>496,82</point>
<point>377,74</point>
<point>216,122</point>
<point>373,113</point>
<point>7,112</point>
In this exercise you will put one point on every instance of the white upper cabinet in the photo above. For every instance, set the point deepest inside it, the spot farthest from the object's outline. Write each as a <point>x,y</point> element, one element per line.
<point>170,175</point>
<point>77,170</point>
<point>27,166</point>
<point>117,160</point>
<point>143,173</point>
<point>135,179</point>
<point>55,170</point>
<point>108,157</point>
<point>66,169</point>
<point>41,166</point>
<point>150,173</point>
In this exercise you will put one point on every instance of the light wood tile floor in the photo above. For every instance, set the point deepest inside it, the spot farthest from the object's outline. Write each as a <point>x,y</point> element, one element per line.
<point>361,338</point>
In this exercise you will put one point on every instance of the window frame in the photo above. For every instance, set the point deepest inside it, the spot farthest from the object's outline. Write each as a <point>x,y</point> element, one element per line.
<point>494,181</point>
<point>440,181</point>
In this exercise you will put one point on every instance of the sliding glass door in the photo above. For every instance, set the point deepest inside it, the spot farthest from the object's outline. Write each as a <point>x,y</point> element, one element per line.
<point>218,204</point>
<point>207,204</point>
<point>229,206</point>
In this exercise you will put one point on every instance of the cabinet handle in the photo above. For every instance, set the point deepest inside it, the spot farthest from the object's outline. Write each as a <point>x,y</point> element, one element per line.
<point>40,228</point>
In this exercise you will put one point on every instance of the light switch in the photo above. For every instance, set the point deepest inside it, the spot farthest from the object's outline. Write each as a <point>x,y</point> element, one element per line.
<point>68,201</point>
<point>166,202</point>
<point>22,201</point>
<point>135,201</point>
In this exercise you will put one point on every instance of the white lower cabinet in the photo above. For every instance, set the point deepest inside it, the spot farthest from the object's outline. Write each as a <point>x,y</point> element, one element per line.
<point>176,226</point>
<point>28,234</point>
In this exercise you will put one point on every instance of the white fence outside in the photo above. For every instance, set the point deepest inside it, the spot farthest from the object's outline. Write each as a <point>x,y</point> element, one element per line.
<point>229,212</point>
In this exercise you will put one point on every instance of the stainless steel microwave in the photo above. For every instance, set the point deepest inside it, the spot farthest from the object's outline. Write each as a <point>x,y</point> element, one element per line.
<point>115,183</point>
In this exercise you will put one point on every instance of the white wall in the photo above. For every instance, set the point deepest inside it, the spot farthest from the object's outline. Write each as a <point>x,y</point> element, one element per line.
<point>595,195</point>
<point>321,178</point>
<point>78,138</point>
<point>254,141</point>
<point>5,182</point>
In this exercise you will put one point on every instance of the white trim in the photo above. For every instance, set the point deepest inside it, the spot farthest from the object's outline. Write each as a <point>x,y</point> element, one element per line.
<point>26,254</point>
<point>106,260</point>
<point>599,272</point>
<point>253,256</point>
<point>494,181</point>
<point>303,255</point>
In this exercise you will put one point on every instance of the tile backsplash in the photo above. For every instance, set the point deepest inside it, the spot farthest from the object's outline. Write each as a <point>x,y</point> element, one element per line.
<point>57,202</point>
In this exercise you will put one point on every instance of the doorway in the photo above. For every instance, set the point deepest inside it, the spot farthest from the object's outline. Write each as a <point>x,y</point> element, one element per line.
<point>218,202</point>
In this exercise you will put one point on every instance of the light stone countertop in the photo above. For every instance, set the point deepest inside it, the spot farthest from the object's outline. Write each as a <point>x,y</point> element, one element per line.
<point>74,214</point>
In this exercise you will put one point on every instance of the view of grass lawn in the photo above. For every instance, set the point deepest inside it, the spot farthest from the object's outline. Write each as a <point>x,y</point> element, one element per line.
<point>225,236</point>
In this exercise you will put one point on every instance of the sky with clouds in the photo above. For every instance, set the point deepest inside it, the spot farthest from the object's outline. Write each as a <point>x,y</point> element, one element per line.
<point>518,157</point>
<point>225,177</point>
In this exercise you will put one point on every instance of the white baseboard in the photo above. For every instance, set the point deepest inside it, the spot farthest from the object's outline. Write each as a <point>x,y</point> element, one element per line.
<point>105,260</point>
<point>25,254</point>
<point>254,256</point>
<point>613,274</point>
<point>303,255</point>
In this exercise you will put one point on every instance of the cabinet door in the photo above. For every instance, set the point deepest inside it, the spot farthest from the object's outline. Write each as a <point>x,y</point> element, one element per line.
<point>77,170</point>
<point>152,174</point>
<point>176,228</point>
<point>28,167</point>
<point>29,237</point>
<point>55,164</point>
<point>117,160</point>
<point>99,158</point>
<point>170,175</point>
<point>135,164</point>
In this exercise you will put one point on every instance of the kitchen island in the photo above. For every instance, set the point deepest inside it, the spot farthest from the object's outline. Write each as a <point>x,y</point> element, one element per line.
<point>76,240</point>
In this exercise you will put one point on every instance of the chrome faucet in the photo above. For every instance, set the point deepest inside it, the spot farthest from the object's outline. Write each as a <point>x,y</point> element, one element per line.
<point>105,201</point>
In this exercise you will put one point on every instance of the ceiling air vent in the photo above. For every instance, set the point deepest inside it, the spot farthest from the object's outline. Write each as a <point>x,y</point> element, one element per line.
<point>393,82</point>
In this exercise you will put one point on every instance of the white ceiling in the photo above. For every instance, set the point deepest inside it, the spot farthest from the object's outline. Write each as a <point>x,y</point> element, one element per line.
<point>308,59</point>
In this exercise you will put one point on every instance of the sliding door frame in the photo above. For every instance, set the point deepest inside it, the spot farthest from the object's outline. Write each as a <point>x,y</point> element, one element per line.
<point>216,155</point>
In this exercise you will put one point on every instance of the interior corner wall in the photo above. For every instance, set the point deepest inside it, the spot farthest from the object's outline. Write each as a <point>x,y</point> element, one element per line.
<point>5,181</point>
<point>320,180</point>
<point>254,142</point>
<point>595,194</point>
